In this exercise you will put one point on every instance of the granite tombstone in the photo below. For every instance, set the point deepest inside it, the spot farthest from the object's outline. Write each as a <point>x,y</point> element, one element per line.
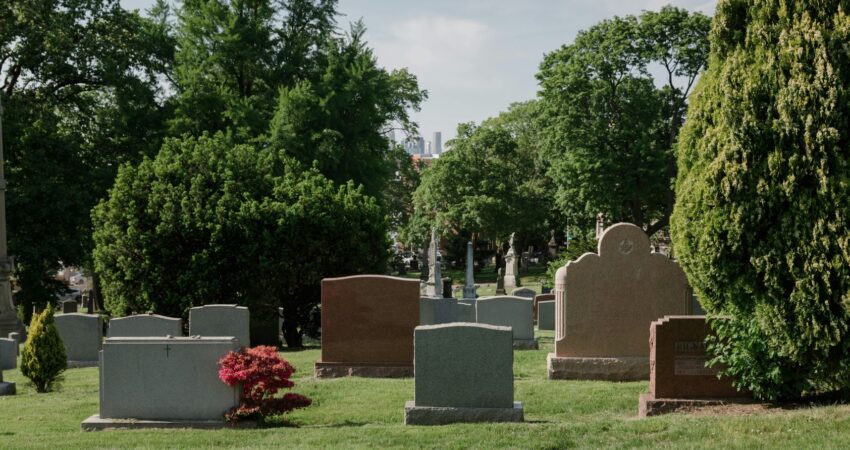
<point>367,326</point>
<point>464,373</point>
<point>605,302</point>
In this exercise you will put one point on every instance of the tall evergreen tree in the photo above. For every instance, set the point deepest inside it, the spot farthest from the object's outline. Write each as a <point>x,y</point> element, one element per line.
<point>761,222</point>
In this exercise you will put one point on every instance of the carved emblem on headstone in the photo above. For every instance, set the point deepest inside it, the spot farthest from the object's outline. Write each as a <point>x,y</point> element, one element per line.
<point>626,246</point>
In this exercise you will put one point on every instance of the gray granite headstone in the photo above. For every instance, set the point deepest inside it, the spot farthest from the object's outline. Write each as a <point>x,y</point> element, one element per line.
<point>464,373</point>
<point>524,292</point>
<point>165,379</point>
<point>463,365</point>
<point>508,311</point>
<point>8,354</point>
<point>69,306</point>
<point>546,315</point>
<point>221,320</point>
<point>82,335</point>
<point>147,325</point>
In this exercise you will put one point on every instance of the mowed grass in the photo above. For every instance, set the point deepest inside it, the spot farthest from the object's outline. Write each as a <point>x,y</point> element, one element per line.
<point>368,413</point>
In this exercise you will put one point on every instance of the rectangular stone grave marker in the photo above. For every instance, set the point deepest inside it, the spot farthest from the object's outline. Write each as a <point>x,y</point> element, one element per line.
<point>546,315</point>
<point>367,326</point>
<point>8,354</point>
<point>145,325</point>
<point>540,298</point>
<point>69,306</point>
<point>514,312</point>
<point>605,302</point>
<point>221,320</point>
<point>464,373</point>
<point>524,292</point>
<point>679,378</point>
<point>82,335</point>
<point>172,381</point>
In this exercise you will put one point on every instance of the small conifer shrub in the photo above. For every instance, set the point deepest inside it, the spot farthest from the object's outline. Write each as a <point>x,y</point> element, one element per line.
<point>43,358</point>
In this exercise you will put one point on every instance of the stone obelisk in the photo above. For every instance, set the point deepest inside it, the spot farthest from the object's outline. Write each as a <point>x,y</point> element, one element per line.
<point>9,321</point>
<point>469,285</point>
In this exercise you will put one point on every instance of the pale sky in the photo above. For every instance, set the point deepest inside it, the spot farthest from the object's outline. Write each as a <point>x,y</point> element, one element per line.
<point>476,57</point>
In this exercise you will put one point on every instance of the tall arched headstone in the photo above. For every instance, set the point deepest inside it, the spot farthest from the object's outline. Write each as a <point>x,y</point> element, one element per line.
<point>605,303</point>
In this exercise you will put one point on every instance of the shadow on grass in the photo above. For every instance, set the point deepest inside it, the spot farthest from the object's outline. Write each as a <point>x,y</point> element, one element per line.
<point>306,347</point>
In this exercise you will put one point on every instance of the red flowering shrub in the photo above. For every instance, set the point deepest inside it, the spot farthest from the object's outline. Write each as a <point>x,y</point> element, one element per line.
<point>262,373</point>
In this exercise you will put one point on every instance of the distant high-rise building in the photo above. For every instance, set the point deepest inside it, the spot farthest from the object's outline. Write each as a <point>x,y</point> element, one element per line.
<point>420,146</point>
<point>437,143</point>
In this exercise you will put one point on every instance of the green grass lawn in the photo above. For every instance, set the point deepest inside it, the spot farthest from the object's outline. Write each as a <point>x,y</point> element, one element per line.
<point>368,413</point>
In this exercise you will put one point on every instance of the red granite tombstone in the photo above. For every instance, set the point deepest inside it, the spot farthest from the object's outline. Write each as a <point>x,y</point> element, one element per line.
<point>679,378</point>
<point>367,326</point>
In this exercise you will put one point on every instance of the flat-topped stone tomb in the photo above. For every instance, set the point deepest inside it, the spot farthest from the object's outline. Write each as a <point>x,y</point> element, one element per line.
<point>172,381</point>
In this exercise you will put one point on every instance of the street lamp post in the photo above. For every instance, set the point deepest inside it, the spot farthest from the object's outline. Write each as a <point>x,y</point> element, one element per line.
<point>9,321</point>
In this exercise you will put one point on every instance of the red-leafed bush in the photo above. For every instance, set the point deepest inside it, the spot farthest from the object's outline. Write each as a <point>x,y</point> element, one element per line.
<point>262,373</point>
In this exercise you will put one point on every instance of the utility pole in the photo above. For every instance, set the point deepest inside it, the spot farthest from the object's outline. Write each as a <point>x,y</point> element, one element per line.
<point>9,321</point>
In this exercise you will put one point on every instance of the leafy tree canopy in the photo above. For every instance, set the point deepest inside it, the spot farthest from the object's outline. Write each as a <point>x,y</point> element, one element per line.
<point>608,130</point>
<point>207,221</point>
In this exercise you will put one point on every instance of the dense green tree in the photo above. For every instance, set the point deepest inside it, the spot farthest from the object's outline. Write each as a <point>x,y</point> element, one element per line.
<point>484,185</point>
<point>608,130</point>
<point>78,80</point>
<point>339,121</point>
<point>208,221</point>
<point>233,56</point>
<point>761,222</point>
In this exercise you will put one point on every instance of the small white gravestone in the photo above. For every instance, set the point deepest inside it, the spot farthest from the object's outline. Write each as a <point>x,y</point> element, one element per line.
<point>167,380</point>
<point>434,285</point>
<point>82,335</point>
<point>221,320</point>
<point>464,373</point>
<point>146,325</point>
<point>511,267</point>
<point>514,312</point>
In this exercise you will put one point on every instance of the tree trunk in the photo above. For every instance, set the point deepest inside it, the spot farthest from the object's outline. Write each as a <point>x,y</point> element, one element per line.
<point>291,333</point>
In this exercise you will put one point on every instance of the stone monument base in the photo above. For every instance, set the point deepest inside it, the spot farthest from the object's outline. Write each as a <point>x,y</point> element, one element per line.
<point>526,344</point>
<point>441,415</point>
<point>607,369</point>
<point>648,405</point>
<point>7,388</point>
<point>366,370</point>
<point>95,423</point>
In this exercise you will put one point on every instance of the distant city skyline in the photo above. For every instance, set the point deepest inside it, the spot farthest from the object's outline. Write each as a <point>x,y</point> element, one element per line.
<point>475,57</point>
